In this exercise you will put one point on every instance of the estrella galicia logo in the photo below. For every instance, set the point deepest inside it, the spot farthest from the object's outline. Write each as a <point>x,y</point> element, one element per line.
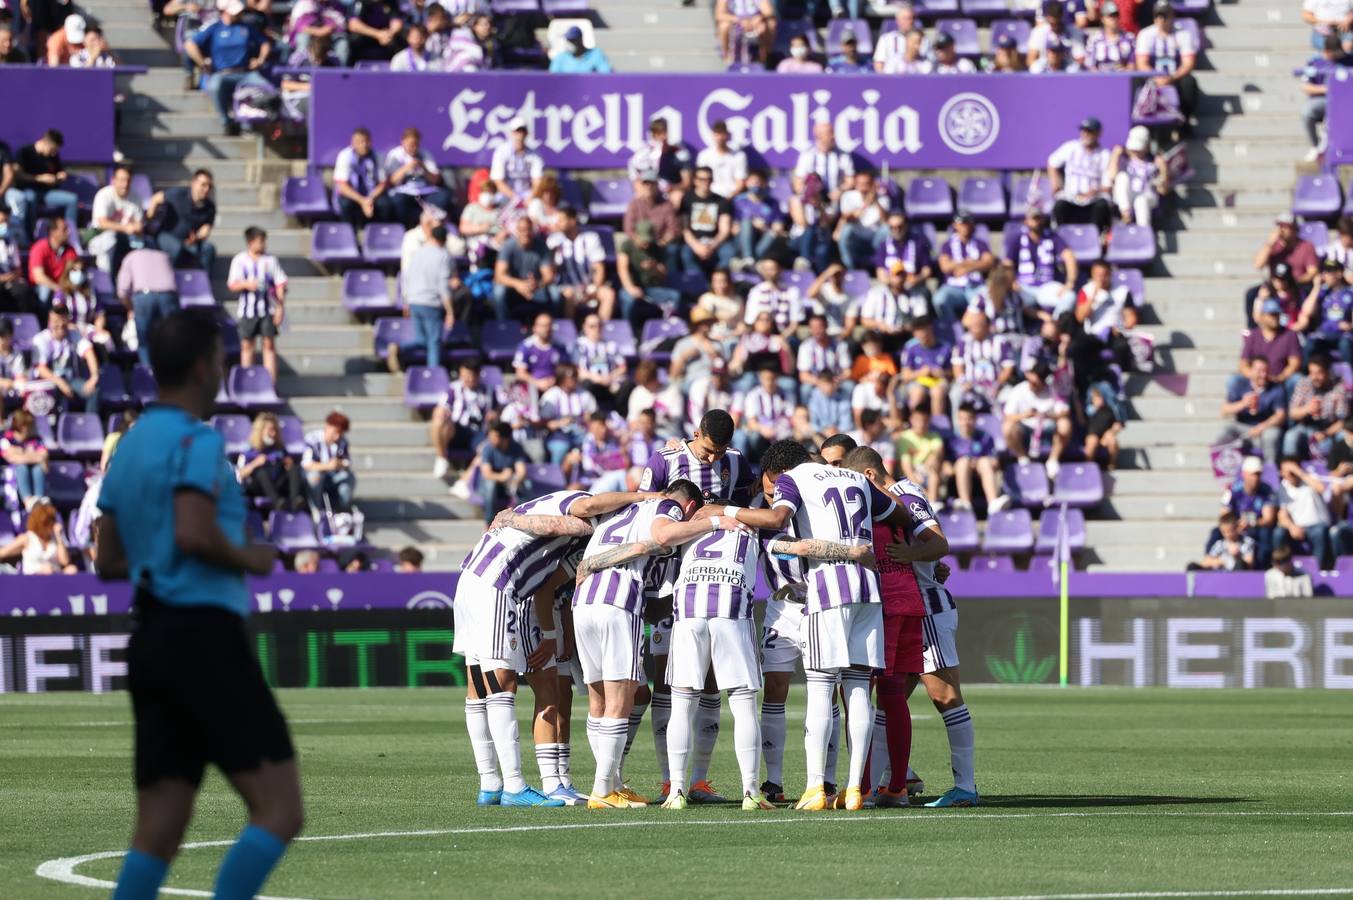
<point>429,600</point>
<point>1024,666</point>
<point>969,123</point>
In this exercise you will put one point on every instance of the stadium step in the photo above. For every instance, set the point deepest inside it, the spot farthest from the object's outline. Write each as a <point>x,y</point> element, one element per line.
<point>672,60</point>
<point>375,410</point>
<point>352,339</point>
<point>323,313</point>
<point>1178,506</point>
<point>337,385</point>
<point>1138,482</point>
<point>198,146</point>
<point>153,123</point>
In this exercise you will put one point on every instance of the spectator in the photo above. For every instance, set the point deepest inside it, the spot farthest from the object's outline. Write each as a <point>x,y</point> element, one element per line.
<point>502,470</point>
<point>524,275</point>
<point>827,295</point>
<point>898,244</point>
<point>849,61</point>
<point>860,229</point>
<point>1003,307</point>
<point>649,205</point>
<point>724,304</point>
<point>642,266</point>
<point>834,167</point>
<point>1037,420</point>
<point>759,348</point>
<point>374,29</point>
<point>538,357</point>
<point>257,277</point>
<point>39,179</point>
<point>312,19</point>
<point>714,391</point>
<point>926,366</point>
<point>13,366</point>
<point>427,286</point>
<point>750,19</point>
<point>1282,287</point>
<point>481,225</point>
<point>1275,343</point>
<point>266,470</point>
<point>41,547</point>
<point>1325,316</point>
<point>1340,247</point>
<point>765,415</point>
<point>327,464</point>
<point>1103,422</point>
<point>601,365</point>
<point>799,61</point>
<point>1059,55</point>
<point>439,29</point>
<point>1284,246</point>
<point>22,449</point>
<point>580,263</point>
<point>889,311</point>
<point>516,169</point>
<point>306,562</point>
<point>757,223</point>
<point>1106,309</point>
<point>984,363</point>
<point>873,433</point>
<point>188,215</point>
<point>964,261</point>
<point>947,61</point>
<point>1110,49</point>
<point>410,559</point>
<point>706,226</point>
<point>361,184</point>
<point>428,219</point>
<point>117,214</point>
<point>1045,268</point>
<point>891,51</point>
<point>474,47</point>
<point>15,294</point>
<point>829,409</point>
<point>1314,84</point>
<point>873,359</point>
<point>543,207</point>
<point>1327,17</point>
<point>232,51</point>
<point>872,390</point>
<point>1255,410</point>
<point>1339,461</point>
<point>1316,412</point>
<point>48,260</point>
<point>88,317</point>
<point>599,462</point>
<point>1169,50</point>
<point>1005,56</point>
<point>970,450</point>
<point>146,287</point>
<point>95,52</point>
<point>728,166</point>
<point>821,353</point>
<point>920,453</point>
<point>695,355</point>
<point>1141,179</point>
<point>671,162</point>
<point>66,42</point>
<point>10,55</point>
<point>578,58</point>
<point>459,421</point>
<point>1053,32</point>
<point>414,179</point>
<point>1303,516</point>
<point>564,409</point>
<point>1082,180</point>
<point>771,295</point>
<point>415,56</point>
<point>1284,580</point>
<point>810,216</point>
<point>1228,548</point>
<point>1255,503</point>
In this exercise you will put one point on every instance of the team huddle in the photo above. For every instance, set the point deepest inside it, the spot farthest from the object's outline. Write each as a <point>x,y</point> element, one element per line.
<point>560,589</point>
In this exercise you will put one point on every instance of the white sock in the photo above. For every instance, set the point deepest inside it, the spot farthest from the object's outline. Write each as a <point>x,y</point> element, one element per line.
<point>592,734</point>
<point>834,738</point>
<point>502,709</point>
<point>481,742</point>
<point>661,714</point>
<point>878,759</point>
<point>746,736</point>
<point>817,721</point>
<point>564,765</point>
<point>958,724</point>
<point>861,726</point>
<point>547,758</point>
<point>706,734</point>
<point>680,736</point>
<point>773,741</point>
<point>610,746</point>
<point>636,719</point>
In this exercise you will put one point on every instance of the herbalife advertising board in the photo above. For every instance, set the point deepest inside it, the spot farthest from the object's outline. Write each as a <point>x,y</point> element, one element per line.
<point>1184,642</point>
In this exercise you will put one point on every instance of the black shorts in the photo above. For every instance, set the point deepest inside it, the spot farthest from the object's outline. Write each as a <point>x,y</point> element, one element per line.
<point>257,326</point>
<point>199,696</point>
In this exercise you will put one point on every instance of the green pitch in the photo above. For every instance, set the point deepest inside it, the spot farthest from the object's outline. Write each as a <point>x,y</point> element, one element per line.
<point>1096,792</point>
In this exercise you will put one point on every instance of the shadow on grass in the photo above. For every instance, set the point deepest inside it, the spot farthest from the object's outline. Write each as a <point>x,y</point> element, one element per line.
<point>1078,801</point>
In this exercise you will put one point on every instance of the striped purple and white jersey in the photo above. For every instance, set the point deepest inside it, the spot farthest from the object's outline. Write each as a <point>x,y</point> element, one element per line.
<point>911,497</point>
<point>959,251</point>
<point>1085,170</point>
<point>717,575</point>
<point>784,303</point>
<point>575,257</point>
<point>1165,50</point>
<point>834,505</point>
<point>767,408</point>
<point>265,270</point>
<point>623,586</point>
<point>833,358</point>
<point>983,360</point>
<point>783,577</point>
<point>516,171</point>
<point>744,9</point>
<point>1142,173</point>
<point>702,396</point>
<point>1336,250</point>
<point>557,403</point>
<point>723,479</point>
<point>468,407</point>
<point>832,166</point>
<point>600,357</point>
<point>516,563</point>
<point>1107,54</point>
<point>890,309</point>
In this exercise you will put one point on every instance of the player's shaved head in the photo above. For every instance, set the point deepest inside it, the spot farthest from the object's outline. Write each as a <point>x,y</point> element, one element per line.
<point>835,448</point>
<point>717,425</point>
<point>782,456</point>
<point>862,458</point>
<point>685,491</point>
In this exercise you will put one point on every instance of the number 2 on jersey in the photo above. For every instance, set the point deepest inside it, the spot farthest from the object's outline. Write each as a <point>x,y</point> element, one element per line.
<point>705,549</point>
<point>615,532</point>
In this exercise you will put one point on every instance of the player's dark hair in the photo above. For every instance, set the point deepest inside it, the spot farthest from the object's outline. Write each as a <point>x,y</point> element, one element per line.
<point>782,456</point>
<point>178,342</point>
<point>685,490</point>
<point>862,458</point>
<point>717,425</point>
<point>844,441</point>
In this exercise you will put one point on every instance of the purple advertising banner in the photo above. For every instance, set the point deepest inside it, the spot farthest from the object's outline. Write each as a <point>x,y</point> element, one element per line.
<point>1339,118</point>
<point>598,122</point>
<point>76,102</point>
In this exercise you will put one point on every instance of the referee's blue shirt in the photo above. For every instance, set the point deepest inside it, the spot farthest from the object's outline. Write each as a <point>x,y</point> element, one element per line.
<point>168,450</point>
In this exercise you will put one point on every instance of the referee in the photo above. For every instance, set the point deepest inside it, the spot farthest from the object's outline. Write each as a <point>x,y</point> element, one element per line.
<point>174,524</point>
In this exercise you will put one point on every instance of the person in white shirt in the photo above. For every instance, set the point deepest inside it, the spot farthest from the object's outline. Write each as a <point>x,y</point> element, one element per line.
<point>258,278</point>
<point>117,214</point>
<point>728,165</point>
<point>360,184</point>
<point>861,227</point>
<point>890,52</point>
<point>1328,17</point>
<point>580,261</point>
<point>1304,516</point>
<point>415,179</point>
<point>1170,52</point>
<point>1284,579</point>
<point>947,61</point>
<point>1053,29</point>
<point>515,168</point>
<point>824,159</point>
<point>783,302</point>
<point>1035,414</point>
<point>1082,181</point>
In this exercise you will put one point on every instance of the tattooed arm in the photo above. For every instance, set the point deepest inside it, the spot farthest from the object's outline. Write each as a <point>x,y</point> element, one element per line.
<point>826,550</point>
<point>606,502</point>
<point>543,526</point>
<point>617,557</point>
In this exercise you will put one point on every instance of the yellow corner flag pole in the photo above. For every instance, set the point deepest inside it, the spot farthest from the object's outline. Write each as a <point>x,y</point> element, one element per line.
<point>1064,618</point>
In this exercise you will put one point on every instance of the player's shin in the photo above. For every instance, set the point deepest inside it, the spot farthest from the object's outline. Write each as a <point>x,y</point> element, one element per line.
<point>481,743</point>
<point>877,771</point>
<point>773,740</point>
<point>502,716</point>
<point>746,737</point>
<point>680,737</point>
<point>893,699</point>
<point>860,712</point>
<point>833,741</point>
<point>706,735</point>
<point>817,722</point>
<point>958,726</point>
<point>660,714</point>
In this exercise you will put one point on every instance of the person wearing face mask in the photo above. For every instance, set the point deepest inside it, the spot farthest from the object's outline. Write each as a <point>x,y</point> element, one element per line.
<point>481,225</point>
<point>757,222</point>
<point>577,58</point>
<point>798,61</point>
<point>87,316</point>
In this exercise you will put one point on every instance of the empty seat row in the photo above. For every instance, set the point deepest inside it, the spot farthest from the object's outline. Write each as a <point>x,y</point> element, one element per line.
<point>1011,531</point>
<point>1321,197</point>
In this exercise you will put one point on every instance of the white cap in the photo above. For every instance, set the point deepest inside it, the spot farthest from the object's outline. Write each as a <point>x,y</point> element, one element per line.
<point>1139,139</point>
<point>518,124</point>
<point>75,29</point>
<point>1252,464</point>
<point>235,7</point>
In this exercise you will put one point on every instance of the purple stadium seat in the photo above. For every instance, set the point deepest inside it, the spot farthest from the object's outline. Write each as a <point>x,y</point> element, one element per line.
<point>1318,233</point>
<point>424,388</point>
<point>252,388</point>
<point>791,28</point>
<point>1079,484</point>
<point>605,234</point>
<point>1195,30</point>
<point>113,393</point>
<point>1082,241</point>
<point>1047,530</point>
<point>104,289</point>
<point>292,531</point>
<point>984,9</point>
<point>306,198</point>
<point>142,187</point>
<point>566,9</point>
<point>25,328</point>
<point>382,243</point>
<point>960,527</point>
<point>856,284</point>
<point>990,564</point>
<point>1018,29</point>
<point>693,284</point>
<point>801,280</point>
<point>1348,200</point>
<point>929,199</point>
<point>143,389</point>
<point>838,28</point>
<point>334,244</point>
<point>491,377</point>
<point>1132,279</point>
<point>1025,192</point>
<point>293,434</point>
<point>1009,531</point>
<point>964,33</point>
<point>234,430</point>
<point>982,198</point>
<point>365,291</point>
<point>394,330</point>
<point>194,288</point>
<point>514,7</point>
<point>544,478</point>
<point>1194,9</point>
<point>1131,245</point>
<point>659,331</point>
<point>1317,197</point>
<point>990,423</point>
<point>372,65</point>
<point>738,68</point>
<point>66,482</point>
<point>79,434</point>
<point>1344,372</point>
<point>622,333</point>
<point>565,332</point>
<point>780,188</point>
<point>1027,483</point>
<point>932,8</point>
<point>610,197</point>
<point>500,340</point>
<point>460,336</point>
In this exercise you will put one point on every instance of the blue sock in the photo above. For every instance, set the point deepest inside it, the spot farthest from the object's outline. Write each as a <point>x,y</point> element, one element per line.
<point>141,876</point>
<point>247,864</point>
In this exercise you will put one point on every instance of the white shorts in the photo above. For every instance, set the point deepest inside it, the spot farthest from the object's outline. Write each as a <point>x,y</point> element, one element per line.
<point>609,642</point>
<point>660,638</point>
<point>939,641</point>
<point>532,636</point>
<point>728,644</point>
<point>780,636</point>
<point>487,626</point>
<point>845,636</point>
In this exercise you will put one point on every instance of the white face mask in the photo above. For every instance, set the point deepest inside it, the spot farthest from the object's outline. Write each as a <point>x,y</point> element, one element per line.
<point>487,198</point>
<point>77,277</point>
<point>799,52</point>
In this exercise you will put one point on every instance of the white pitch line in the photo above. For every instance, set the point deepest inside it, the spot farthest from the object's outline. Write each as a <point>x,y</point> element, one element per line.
<point>62,869</point>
